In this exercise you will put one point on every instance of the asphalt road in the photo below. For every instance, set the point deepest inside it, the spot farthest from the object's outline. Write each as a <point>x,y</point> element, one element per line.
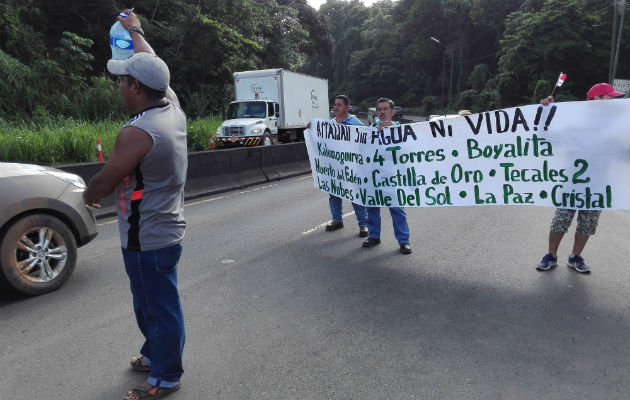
<point>277,308</point>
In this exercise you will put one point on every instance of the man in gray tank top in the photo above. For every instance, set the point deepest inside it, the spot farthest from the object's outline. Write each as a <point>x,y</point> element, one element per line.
<point>147,171</point>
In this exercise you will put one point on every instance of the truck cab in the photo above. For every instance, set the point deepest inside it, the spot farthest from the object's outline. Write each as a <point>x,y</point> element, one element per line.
<point>249,123</point>
<point>271,106</point>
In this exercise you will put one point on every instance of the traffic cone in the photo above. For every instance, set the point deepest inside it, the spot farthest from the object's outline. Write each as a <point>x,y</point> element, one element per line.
<point>98,147</point>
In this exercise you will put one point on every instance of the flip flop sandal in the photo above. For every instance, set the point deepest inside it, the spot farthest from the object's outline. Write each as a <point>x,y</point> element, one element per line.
<point>137,364</point>
<point>146,391</point>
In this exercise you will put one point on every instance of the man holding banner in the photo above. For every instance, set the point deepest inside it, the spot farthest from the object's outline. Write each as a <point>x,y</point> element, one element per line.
<point>385,112</point>
<point>587,219</point>
<point>526,155</point>
<point>341,109</point>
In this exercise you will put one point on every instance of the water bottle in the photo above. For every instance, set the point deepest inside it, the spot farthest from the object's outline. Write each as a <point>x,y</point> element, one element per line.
<point>120,41</point>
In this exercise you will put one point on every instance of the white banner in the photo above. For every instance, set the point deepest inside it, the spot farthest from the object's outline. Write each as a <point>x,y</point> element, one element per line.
<point>570,155</point>
<point>622,85</point>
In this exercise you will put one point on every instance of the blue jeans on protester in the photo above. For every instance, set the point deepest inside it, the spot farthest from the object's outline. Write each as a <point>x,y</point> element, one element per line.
<point>153,280</point>
<point>336,207</point>
<point>399,219</point>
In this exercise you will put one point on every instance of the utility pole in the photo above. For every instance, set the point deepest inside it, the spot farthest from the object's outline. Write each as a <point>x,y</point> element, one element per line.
<point>620,30</point>
<point>613,42</point>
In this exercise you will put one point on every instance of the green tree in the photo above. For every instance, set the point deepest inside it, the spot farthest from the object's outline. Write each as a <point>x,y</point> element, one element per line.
<point>344,21</point>
<point>73,57</point>
<point>563,35</point>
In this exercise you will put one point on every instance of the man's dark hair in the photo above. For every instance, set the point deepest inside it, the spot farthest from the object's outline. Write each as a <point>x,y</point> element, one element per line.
<point>386,100</point>
<point>151,93</point>
<point>344,98</point>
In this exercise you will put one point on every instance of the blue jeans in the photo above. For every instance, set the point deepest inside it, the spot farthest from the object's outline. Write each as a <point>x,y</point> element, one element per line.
<point>153,280</point>
<point>335,210</point>
<point>399,219</point>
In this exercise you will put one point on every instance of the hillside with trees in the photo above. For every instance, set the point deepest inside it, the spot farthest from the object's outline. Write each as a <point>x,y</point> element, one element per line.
<point>491,53</point>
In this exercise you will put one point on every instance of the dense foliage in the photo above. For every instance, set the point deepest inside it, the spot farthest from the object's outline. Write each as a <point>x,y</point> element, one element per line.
<point>56,141</point>
<point>501,52</point>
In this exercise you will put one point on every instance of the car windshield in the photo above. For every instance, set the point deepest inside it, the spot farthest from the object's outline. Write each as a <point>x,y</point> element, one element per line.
<point>248,109</point>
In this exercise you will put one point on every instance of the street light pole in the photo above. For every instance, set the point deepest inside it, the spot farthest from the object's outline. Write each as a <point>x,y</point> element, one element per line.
<point>450,83</point>
<point>443,70</point>
<point>443,79</point>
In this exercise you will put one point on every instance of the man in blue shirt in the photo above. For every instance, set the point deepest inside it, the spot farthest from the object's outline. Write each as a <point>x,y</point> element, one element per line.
<point>341,108</point>
<point>385,112</point>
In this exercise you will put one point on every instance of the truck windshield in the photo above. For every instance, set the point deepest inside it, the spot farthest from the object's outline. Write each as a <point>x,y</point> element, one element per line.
<point>247,109</point>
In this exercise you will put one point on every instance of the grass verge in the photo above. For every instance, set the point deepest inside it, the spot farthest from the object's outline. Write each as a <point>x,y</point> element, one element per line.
<point>67,141</point>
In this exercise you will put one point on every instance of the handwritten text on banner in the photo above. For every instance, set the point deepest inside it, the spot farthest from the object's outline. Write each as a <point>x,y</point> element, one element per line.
<point>571,155</point>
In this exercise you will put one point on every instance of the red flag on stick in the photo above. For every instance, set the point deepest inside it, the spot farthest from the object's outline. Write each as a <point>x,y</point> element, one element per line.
<point>560,81</point>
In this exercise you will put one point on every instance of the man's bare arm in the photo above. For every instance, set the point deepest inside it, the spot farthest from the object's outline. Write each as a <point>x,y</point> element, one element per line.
<point>132,144</point>
<point>140,45</point>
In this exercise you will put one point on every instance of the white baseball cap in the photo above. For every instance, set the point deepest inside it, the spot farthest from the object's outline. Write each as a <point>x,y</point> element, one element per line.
<point>148,69</point>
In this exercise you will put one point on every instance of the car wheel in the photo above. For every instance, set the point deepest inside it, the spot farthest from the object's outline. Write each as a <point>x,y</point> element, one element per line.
<point>37,254</point>
<point>266,140</point>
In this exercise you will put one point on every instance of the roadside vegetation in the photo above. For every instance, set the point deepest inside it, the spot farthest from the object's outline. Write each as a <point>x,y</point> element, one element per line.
<point>484,55</point>
<point>55,141</point>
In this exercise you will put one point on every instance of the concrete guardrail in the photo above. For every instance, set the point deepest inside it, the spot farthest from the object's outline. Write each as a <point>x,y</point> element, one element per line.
<point>212,172</point>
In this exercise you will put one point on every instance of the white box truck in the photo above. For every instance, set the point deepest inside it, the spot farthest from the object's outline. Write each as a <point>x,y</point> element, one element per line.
<point>271,106</point>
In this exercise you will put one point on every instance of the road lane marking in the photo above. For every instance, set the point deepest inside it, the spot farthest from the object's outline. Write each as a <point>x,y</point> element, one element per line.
<point>205,200</point>
<point>304,177</point>
<point>256,188</point>
<point>324,224</point>
<point>107,222</point>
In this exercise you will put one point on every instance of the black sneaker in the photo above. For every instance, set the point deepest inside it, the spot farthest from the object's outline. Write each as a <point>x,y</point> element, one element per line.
<point>405,248</point>
<point>333,226</point>
<point>363,231</point>
<point>371,242</point>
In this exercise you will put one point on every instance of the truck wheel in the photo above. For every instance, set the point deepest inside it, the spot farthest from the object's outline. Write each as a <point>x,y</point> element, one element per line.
<point>37,254</point>
<point>266,140</point>
<point>282,137</point>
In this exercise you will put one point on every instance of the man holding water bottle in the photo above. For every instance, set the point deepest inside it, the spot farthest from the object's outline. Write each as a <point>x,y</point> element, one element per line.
<point>147,170</point>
